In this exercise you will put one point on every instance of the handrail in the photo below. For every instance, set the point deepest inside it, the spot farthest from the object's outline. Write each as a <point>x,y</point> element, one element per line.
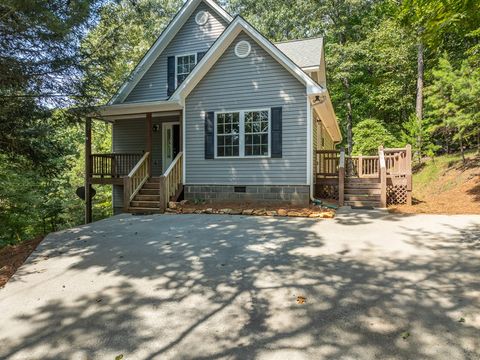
<point>341,178</point>
<point>171,180</point>
<point>133,182</point>
<point>140,162</point>
<point>172,165</point>
<point>383,177</point>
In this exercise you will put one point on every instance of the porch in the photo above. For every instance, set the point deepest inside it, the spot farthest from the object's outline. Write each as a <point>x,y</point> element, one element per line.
<point>145,167</point>
<point>376,181</point>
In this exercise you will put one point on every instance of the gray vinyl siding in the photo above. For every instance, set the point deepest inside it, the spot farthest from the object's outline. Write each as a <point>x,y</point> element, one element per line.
<point>191,38</point>
<point>128,136</point>
<point>257,81</point>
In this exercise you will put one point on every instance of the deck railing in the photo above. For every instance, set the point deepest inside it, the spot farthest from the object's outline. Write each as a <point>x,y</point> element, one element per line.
<point>392,168</point>
<point>327,162</point>
<point>113,165</point>
<point>171,180</point>
<point>133,182</point>
<point>363,166</point>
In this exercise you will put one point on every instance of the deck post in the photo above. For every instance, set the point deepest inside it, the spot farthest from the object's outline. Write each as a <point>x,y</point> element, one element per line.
<point>149,142</point>
<point>162,192</point>
<point>383,177</point>
<point>341,178</point>
<point>408,159</point>
<point>360,166</point>
<point>88,170</point>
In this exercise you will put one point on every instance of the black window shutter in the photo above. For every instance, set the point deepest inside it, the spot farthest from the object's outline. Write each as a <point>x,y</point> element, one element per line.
<point>276,132</point>
<point>200,55</point>
<point>171,75</point>
<point>209,135</point>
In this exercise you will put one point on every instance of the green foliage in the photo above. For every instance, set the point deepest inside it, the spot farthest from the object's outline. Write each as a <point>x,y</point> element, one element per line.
<point>452,106</point>
<point>124,33</point>
<point>368,135</point>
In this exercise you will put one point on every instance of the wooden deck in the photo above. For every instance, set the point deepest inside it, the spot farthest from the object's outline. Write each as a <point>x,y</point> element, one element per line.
<point>142,192</point>
<point>378,180</point>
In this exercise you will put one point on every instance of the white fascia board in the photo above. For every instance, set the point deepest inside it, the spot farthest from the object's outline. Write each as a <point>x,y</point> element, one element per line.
<point>224,41</point>
<point>326,113</point>
<point>135,108</point>
<point>162,42</point>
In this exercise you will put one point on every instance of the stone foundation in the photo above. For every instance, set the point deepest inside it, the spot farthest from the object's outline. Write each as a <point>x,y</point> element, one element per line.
<point>291,194</point>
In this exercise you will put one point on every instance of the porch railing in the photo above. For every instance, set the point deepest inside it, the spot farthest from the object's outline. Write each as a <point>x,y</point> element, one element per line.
<point>363,166</point>
<point>171,181</point>
<point>133,182</point>
<point>113,165</point>
<point>327,162</point>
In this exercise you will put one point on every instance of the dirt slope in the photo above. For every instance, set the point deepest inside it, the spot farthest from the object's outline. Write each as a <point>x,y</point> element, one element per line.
<point>446,186</point>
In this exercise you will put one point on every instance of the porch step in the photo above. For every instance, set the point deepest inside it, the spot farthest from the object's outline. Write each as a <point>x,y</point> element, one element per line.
<point>147,197</point>
<point>154,179</point>
<point>150,192</point>
<point>141,210</point>
<point>144,204</point>
<point>356,180</point>
<point>369,203</point>
<point>366,185</point>
<point>362,197</point>
<point>151,185</point>
<point>362,191</point>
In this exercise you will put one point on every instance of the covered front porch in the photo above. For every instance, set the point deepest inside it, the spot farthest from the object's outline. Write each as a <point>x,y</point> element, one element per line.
<point>145,166</point>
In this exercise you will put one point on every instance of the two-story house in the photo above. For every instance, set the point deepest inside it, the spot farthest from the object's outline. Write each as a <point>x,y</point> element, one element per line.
<point>218,112</point>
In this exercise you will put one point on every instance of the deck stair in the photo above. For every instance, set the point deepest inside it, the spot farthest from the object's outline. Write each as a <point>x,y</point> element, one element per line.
<point>147,201</point>
<point>362,192</point>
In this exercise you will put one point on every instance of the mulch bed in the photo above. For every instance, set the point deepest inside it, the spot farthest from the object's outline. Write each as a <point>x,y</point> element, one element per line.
<point>228,208</point>
<point>13,256</point>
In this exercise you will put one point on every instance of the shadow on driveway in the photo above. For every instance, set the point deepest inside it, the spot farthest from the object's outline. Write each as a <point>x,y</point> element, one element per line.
<point>224,287</point>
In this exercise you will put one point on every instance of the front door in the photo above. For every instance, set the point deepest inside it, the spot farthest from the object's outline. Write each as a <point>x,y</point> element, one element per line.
<point>171,143</point>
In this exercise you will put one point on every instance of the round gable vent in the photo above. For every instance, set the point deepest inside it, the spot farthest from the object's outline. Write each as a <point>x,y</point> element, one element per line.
<point>243,49</point>
<point>201,18</point>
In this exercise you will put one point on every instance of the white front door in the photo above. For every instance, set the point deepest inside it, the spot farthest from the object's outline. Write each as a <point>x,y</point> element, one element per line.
<point>169,144</point>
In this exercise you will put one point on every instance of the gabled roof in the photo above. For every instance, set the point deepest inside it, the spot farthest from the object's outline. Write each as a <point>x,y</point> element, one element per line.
<point>306,53</point>
<point>161,43</point>
<point>222,43</point>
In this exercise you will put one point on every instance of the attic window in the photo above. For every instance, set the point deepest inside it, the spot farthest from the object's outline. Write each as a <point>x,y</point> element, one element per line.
<point>201,18</point>
<point>243,49</point>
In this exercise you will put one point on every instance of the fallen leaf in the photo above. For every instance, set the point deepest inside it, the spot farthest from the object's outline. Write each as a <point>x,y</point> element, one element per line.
<point>301,299</point>
<point>119,357</point>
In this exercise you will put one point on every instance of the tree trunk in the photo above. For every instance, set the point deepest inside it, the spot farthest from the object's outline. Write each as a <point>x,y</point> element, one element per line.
<point>419,100</point>
<point>478,142</point>
<point>461,148</point>
<point>349,117</point>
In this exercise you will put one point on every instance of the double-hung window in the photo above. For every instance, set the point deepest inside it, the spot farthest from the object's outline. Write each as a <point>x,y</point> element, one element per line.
<point>184,66</point>
<point>242,133</point>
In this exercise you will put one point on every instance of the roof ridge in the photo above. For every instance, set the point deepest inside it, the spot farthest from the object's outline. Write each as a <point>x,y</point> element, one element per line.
<point>297,40</point>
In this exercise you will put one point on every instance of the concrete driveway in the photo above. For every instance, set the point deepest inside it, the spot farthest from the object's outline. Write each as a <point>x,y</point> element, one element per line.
<point>225,287</point>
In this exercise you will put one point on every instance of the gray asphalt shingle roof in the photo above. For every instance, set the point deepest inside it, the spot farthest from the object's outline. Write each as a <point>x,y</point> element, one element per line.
<point>304,53</point>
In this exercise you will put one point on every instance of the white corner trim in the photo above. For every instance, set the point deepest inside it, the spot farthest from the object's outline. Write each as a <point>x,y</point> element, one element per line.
<point>184,146</point>
<point>224,41</point>
<point>162,42</point>
<point>309,147</point>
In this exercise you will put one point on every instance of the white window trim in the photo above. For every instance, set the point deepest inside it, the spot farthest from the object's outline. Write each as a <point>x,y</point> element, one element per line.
<point>176,65</point>
<point>242,134</point>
